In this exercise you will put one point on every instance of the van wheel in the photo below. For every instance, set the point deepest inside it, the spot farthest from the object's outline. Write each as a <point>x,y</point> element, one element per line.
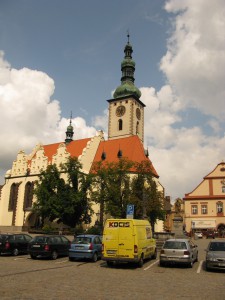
<point>155,254</point>
<point>141,262</point>
<point>109,263</point>
<point>33,256</point>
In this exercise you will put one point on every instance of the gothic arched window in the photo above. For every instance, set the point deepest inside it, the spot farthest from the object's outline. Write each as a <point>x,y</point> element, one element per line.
<point>137,128</point>
<point>28,196</point>
<point>120,123</point>
<point>13,197</point>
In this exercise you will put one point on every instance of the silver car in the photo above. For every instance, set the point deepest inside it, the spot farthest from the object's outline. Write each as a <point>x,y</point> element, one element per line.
<point>215,255</point>
<point>182,251</point>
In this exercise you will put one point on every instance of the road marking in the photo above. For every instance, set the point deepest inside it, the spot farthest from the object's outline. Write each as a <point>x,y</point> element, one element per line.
<point>61,261</point>
<point>200,266</point>
<point>156,262</point>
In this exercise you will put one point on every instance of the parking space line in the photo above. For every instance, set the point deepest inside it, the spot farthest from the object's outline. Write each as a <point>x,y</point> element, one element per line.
<point>61,261</point>
<point>199,267</point>
<point>151,265</point>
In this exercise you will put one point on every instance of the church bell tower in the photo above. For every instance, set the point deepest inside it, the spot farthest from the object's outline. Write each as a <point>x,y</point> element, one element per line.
<point>126,111</point>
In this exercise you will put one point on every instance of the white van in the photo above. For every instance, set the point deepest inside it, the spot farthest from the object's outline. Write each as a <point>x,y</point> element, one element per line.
<point>127,240</point>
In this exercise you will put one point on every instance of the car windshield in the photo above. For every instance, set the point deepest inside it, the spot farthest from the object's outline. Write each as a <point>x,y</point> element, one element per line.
<point>3,236</point>
<point>175,245</point>
<point>217,246</point>
<point>82,240</point>
<point>40,239</point>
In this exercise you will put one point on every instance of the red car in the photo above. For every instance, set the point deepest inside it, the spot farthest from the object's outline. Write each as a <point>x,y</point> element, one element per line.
<point>210,234</point>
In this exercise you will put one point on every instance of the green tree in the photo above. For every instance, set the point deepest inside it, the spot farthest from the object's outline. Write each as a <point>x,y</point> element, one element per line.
<point>99,191</point>
<point>68,201</point>
<point>112,186</point>
<point>147,199</point>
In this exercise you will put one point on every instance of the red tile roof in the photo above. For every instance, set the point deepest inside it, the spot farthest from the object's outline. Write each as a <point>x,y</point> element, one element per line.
<point>75,148</point>
<point>131,147</point>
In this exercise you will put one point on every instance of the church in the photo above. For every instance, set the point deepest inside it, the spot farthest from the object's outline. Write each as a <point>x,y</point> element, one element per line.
<point>125,139</point>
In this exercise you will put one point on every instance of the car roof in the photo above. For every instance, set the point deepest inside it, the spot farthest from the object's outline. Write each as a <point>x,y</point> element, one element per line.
<point>177,240</point>
<point>48,235</point>
<point>87,235</point>
<point>217,241</point>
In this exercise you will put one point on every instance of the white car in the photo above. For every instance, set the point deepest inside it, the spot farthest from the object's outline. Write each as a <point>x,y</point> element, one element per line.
<point>199,234</point>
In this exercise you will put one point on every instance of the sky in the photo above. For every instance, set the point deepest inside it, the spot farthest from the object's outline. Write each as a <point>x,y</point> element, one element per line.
<point>58,57</point>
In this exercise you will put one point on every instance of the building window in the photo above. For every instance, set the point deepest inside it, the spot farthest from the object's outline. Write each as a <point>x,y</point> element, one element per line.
<point>137,128</point>
<point>219,207</point>
<point>120,124</point>
<point>204,209</point>
<point>28,196</point>
<point>13,197</point>
<point>223,189</point>
<point>194,209</point>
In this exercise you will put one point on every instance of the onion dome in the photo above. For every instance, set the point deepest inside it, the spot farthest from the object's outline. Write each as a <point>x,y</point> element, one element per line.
<point>127,87</point>
<point>69,132</point>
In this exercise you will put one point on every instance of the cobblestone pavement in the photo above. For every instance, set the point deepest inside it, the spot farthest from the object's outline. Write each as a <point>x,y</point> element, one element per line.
<point>23,278</point>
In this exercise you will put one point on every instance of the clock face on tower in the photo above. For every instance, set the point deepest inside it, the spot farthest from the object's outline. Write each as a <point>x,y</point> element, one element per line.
<point>120,111</point>
<point>138,113</point>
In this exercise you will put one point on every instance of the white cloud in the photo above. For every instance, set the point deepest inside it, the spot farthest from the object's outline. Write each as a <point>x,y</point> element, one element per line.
<point>194,66</point>
<point>195,60</point>
<point>28,115</point>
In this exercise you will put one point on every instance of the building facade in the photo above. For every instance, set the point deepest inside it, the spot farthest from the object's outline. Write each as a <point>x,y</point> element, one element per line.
<point>125,139</point>
<point>204,206</point>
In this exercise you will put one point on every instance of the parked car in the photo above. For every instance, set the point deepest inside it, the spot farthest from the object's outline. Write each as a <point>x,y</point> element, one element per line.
<point>14,244</point>
<point>86,246</point>
<point>49,246</point>
<point>182,251</point>
<point>215,255</point>
<point>198,234</point>
<point>210,234</point>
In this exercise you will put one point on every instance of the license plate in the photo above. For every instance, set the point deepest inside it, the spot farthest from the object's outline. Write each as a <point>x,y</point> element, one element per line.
<point>36,246</point>
<point>111,251</point>
<point>221,264</point>
<point>79,247</point>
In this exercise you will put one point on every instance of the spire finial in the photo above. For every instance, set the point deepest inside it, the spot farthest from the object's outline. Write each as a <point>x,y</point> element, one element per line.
<point>69,131</point>
<point>71,117</point>
<point>128,36</point>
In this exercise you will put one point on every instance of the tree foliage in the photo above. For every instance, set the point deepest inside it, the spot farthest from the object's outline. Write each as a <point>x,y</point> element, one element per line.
<point>112,186</point>
<point>116,187</point>
<point>147,199</point>
<point>67,201</point>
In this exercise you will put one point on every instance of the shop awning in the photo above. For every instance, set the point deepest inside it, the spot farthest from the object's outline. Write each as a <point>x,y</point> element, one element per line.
<point>203,224</point>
